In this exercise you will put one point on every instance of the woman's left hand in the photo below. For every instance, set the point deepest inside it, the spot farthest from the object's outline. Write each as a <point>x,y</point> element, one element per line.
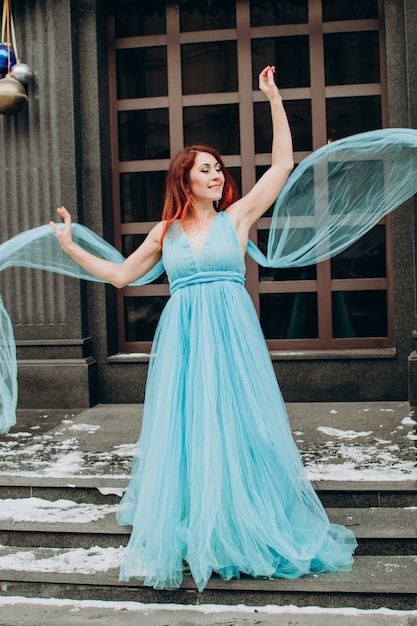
<point>267,82</point>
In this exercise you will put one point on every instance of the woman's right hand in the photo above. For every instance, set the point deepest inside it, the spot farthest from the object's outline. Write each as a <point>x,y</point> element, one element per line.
<point>64,236</point>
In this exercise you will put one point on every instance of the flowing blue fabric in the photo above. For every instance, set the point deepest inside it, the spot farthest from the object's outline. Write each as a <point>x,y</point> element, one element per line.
<point>218,484</point>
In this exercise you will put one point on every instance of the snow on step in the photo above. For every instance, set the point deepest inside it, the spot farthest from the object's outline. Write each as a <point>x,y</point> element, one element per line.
<point>60,561</point>
<point>49,512</point>
<point>50,612</point>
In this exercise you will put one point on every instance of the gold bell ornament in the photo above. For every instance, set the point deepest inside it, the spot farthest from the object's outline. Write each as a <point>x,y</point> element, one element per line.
<point>13,95</point>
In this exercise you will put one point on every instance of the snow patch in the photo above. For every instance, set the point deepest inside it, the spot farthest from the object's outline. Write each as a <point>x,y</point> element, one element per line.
<point>90,428</point>
<point>343,434</point>
<point>47,512</point>
<point>75,561</point>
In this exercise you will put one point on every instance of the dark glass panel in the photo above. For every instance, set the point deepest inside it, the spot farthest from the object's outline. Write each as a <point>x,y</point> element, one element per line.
<point>359,314</point>
<point>336,10</point>
<point>130,243</point>
<point>142,315</point>
<point>289,315</point>
<point>141,72</point>
<point>216,125</point>
<point>203,15</point>
<point>141,196</point>
<point>147,17</point>
<point>209,67</point>
<point>299,116</point>
<point>356,114</point>
<point>366,258</point>
<point>273,12</point>
<point>274,274</point>
<point>143,134</point>
<point>294,71</point>
<point>351,58</point>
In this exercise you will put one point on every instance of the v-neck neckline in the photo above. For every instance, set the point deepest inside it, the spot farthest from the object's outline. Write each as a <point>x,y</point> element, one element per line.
<point>197,254</point>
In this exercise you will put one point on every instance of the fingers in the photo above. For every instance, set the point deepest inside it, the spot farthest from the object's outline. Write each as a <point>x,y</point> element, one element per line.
<point>62,211</point>
<point>267,71</point>
<point>54,227</point>
<point>267,77</point>
<point>66,216</point>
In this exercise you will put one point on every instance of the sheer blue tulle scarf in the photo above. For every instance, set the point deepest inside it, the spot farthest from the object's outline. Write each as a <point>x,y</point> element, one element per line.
<point>332,198</point>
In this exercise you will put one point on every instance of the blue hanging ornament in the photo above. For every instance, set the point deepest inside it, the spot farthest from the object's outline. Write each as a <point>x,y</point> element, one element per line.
<point>4,58</point>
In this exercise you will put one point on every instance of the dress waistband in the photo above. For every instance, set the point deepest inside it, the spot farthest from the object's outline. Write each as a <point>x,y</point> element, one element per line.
<point>206,277</point>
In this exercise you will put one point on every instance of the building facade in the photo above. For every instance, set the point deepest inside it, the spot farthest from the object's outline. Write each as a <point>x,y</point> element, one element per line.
<point>118,88</point>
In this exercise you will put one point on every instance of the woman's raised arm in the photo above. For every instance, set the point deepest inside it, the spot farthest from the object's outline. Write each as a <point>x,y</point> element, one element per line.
<point>133,268</point>
<point>254,204</point>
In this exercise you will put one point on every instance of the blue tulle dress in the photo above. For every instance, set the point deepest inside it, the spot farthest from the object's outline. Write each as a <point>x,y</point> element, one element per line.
<point>218,484</point>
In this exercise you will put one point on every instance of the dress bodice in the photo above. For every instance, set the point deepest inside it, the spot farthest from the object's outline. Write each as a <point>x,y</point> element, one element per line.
<point>220,252</point>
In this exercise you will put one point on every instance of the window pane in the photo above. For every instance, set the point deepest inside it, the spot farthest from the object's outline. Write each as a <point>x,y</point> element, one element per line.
<point>141,195</point>
<point>203,15</point>
<point>216,125</point>
<point>359,314</point>
<point>141,72</point>
<point>143,134</point>
<point>209,67</point>
<point>364,259</point>
<point>146,17</point>
<point>351,58</point>
<point>273,12</point>
<point>271,273</point>
<point>142,315</point>
<point>294,71</point>
<point>347,116</point>
<point>289,315</point>
<point>299,116</point>
<point>335,10</point>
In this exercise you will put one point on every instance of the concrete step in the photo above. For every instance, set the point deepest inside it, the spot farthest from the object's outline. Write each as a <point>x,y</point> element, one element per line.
<point>105,490</point>
<point>48,572</point>
<point>380,531</point>
<point>43,612</point>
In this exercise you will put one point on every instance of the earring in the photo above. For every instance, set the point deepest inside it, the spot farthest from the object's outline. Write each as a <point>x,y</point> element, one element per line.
<point>216,204</point>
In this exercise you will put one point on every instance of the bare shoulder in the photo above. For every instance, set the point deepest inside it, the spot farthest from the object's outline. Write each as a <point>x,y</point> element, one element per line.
<point>156,231</point>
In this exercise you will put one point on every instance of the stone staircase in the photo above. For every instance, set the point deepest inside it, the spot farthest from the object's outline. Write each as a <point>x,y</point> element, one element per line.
<point>383,516</point>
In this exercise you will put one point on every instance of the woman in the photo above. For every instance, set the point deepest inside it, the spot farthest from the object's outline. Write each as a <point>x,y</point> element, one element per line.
<point>218,484</point>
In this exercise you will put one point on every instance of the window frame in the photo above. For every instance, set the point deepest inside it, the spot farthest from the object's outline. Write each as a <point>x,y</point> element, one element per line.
<point>248,160</point>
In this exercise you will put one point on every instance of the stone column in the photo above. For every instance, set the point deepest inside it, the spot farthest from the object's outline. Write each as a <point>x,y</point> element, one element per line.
<point>401,49</point>
<point>43,168</point>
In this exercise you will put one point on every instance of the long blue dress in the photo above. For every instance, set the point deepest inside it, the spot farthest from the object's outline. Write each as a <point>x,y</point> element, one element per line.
<point>218,484</point>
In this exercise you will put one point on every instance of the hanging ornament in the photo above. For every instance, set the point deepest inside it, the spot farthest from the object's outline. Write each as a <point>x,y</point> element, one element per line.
<point>21,72</point>
<point>6,52</point>
<point>12,93</point>
<point>12,96</point>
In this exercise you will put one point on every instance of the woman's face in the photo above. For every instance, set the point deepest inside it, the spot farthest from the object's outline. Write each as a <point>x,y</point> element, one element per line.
<point>206,179</point>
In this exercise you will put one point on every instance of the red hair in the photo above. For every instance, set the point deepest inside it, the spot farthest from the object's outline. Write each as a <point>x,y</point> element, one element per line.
<point>178,202</point>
